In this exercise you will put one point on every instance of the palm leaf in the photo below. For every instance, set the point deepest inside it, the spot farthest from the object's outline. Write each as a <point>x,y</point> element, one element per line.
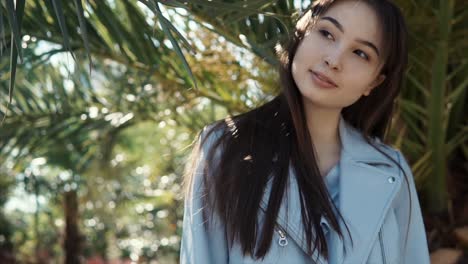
<point>83,30</point>
<point>166,28</point>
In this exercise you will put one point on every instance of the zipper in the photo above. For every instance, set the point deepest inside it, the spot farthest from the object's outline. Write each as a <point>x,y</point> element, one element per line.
<point>382,248</point>
<point>282,241</point>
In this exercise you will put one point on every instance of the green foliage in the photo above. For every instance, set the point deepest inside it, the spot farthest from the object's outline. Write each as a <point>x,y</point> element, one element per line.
<point>119,132</point>
<point>433,103</point>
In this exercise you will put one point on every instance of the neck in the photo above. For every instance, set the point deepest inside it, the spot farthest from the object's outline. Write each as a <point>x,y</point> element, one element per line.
<point>323,125</point>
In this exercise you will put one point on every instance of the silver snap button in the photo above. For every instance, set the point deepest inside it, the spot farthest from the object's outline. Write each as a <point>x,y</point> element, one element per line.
<point>391,179</point>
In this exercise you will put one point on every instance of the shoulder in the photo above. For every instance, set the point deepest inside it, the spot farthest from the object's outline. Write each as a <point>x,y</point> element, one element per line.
<point>397,154</point>
<point>208,142</point>
<point>388,149</point>
<point>203,154</point>
<point>210,134</point>
<point>401,165</point>
<point>403,170</point>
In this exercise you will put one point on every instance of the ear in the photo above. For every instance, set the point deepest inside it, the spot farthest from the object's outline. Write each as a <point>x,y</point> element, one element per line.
<point>378,81</point>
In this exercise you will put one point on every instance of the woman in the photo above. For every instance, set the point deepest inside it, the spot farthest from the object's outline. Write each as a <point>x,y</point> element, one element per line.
<point>306,178</point>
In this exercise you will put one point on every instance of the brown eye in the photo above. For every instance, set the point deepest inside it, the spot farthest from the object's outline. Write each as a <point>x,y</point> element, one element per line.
<point>362,54</point>
<point>326,34</point>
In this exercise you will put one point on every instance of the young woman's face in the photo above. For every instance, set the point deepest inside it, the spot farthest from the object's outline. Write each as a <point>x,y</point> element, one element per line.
<point>345,47</point>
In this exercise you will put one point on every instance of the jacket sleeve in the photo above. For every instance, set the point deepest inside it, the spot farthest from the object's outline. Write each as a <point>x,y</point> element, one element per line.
<point>416,250</point>
<point>201,243</point>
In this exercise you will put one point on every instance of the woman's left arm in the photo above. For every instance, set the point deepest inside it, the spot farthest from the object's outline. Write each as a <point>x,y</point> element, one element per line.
<point>416,250</point>
<point>203,237</point>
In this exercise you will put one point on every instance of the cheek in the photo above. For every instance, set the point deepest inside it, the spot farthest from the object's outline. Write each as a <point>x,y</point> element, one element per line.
<point>307,56</point>
<point>309,49</point>
<point>356,84</point>
<point>357,75</point>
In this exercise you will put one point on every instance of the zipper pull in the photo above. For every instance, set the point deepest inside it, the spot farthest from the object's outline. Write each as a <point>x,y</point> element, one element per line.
<point>282,241</point>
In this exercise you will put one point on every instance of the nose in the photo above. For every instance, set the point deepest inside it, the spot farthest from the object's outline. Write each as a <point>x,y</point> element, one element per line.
<point>332,60</point>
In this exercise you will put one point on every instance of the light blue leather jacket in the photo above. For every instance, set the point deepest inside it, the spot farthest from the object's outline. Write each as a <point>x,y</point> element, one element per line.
<point>373,199</point>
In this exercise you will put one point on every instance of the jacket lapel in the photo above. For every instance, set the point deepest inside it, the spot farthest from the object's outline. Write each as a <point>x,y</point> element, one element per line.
<point>366,192</point>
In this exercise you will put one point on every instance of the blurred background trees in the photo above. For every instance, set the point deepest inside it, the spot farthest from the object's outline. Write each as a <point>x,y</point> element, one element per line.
<point>107,97</point>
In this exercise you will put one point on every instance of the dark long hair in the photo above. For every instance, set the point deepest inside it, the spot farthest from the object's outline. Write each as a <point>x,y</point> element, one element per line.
<point>265,141</point>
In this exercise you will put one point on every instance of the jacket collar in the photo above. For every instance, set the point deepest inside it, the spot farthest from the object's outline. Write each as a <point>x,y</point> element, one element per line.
<point>355,147</point>
<point>365,194</point>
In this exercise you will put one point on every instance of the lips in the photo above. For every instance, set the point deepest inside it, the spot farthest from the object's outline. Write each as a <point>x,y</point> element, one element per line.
<point>323,79</point>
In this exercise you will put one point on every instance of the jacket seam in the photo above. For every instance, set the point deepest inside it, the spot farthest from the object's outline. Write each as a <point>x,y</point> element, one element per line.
<point>382,246</point>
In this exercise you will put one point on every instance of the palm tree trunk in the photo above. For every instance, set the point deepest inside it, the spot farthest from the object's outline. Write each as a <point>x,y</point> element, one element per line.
<point>437,183</point>
<point>72,236</point>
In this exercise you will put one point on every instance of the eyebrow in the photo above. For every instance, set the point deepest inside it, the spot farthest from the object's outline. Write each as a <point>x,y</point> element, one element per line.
<point>340,27</point>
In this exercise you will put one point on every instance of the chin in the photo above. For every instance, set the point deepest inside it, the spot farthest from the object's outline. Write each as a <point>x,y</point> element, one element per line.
<point>318,101</point>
